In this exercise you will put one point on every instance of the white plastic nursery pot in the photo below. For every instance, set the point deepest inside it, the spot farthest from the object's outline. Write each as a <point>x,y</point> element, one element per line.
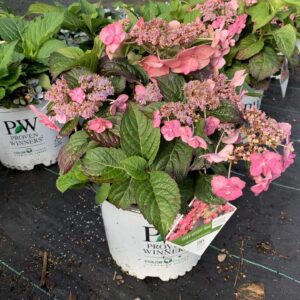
<point>136,247</point>
<point>250,101</point>
<point>25,142</point>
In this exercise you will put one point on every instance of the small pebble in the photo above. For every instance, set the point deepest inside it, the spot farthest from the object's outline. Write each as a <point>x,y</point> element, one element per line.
<point>221,257</point>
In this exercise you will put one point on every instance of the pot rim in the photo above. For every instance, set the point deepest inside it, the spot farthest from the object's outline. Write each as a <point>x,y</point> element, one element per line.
<point>4,110</point>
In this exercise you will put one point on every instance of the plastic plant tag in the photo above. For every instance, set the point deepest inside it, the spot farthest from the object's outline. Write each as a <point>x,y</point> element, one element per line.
<point>298,44</point>
<point>195,231</point>
<point>284,77</point>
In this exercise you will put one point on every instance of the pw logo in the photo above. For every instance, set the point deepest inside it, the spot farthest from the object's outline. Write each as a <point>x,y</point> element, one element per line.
<point>15,127</point>
<point>152,235</point>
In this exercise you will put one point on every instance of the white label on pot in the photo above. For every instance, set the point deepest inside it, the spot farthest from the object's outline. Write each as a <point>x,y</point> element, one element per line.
<point>284,77</point>
<point>25,142</point>
<point>139,249</point>
<point>195,231</point>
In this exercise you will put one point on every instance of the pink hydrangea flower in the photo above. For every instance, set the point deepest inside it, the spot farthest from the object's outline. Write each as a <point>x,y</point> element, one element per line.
<point>232,138</point>
<point>60,118</point>
<point>197,142</point>
<point>112,36</point>
<point>139,90</point>
<point>174,24</point>
<point>238,25</point>
<point>288,156</point>
<point>77,95</point>
<point>187,137</point>
<point>99,125</point>
<point>186,133</point>
<point>44,119</point>
<point>227,188</point>
<point>222,43</point>
<point>262,184</point>
<point>239,78</point>
<point>266,163</point>
<point>154,66</point>
<point>189,60</point>
<point>221,156</point>
<point>211,125</point>
<point>219,22</point>
<point>156,119</point>
<point>118,104</point>
<point>139,24</point>
<point>250,2</point>
<point>171,130</point>
<point>287,129</point>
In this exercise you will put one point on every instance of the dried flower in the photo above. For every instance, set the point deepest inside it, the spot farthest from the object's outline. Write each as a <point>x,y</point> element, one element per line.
<point>150,93</point>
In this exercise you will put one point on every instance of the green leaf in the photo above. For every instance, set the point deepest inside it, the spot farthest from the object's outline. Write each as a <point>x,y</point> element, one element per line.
<point>75,177</point>
<point>136,167</point>
<point>149,11</point>
<point>121,67</point>
<point>226,112</point>
<point>248,47</point>
<point>88,8</point>
<point>264,65</point>
<point>138,137</point>
<point>47,48</point>
<point>105,163</point>
<point>98,47</point>
<point>285,38</point>
<point>2,93</point>
<point>11,28</point>
<point>261,14</point>
<point>43,8</point>
<point>293,2</point>
<point>44,81</point>
<point>149,109</point>
<point>39,31</point>
<point>174,158</point>
<point>71,57</point>
<point>200,129</point>
<point>14,87</point>
<point>186,188</point>
<point>123,194</point>
<point>158,199</point>
<point>191,16</point>
<point>63,59</point>
<point>203,190</point>
<point>73,150</point>
<point>131,15</point>
<point>219,169</point>
<point>73,76</point>
<point>198,162</point>
<point>171,87</point>
<point>102,193</point>
<point>119,83</point>
<point>68,128</point>
<point>6,54</point>
<point>72,22</point>
<point>12,77</point>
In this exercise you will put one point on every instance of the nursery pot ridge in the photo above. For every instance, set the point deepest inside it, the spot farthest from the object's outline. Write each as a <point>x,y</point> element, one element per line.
<point>138,249</point>
<point>25,142</point>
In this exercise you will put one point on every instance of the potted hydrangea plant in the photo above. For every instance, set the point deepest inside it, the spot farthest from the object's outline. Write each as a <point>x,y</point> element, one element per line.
<point>82,20</point>
<point>162,127</point>
<point>24,50</point>
<point>265,46</point>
